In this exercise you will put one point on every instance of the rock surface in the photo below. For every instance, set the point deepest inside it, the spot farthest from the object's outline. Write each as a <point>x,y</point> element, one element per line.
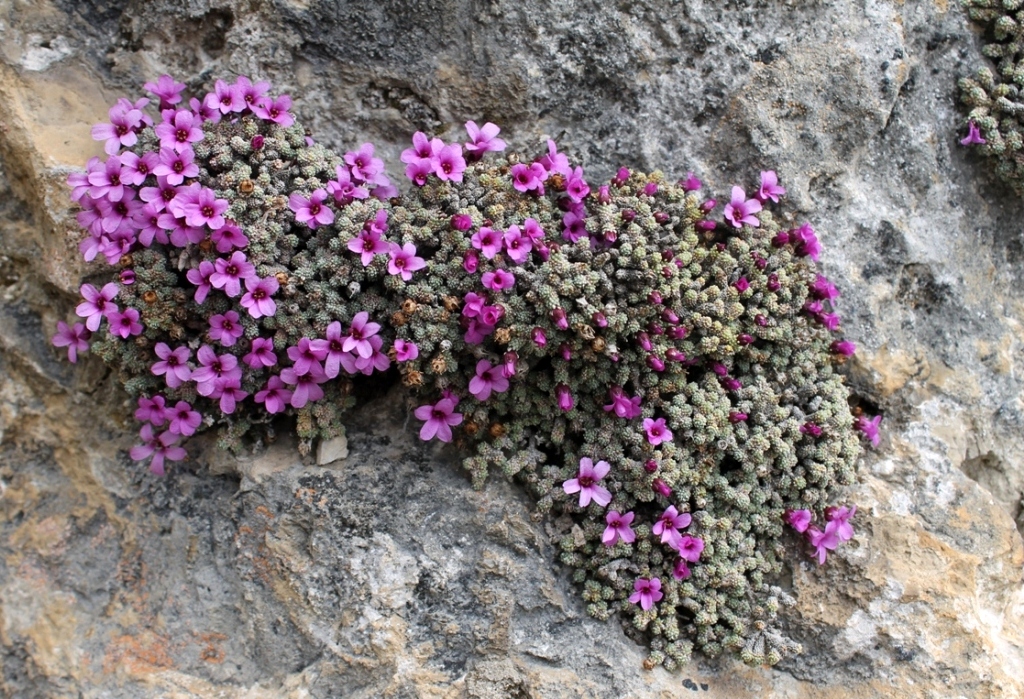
<point>385,574</point>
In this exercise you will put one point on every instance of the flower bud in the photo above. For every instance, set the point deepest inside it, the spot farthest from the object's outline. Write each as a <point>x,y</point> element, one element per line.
<point>257,142</point>
<point>539,337</point>
<point>706,225</point>
<point>654,297</point>
<point>565,350</point>
<point>559,319</point>
<point>674,355</point>
<point>708,206</point>
<point>628,215</point>
<point>565,399</point>
<point>603,195</point>
<point>645,341</point>
<point>650,465</point>
<point>773,282</point>
<point>669,316</point>
<point>746,339</point>
<point>462,222</point>
<point>620,177</point>
<point>782,238</point>
<point>655,363</point>
<point>690,184</point>
<point>508,370</point>
<point>127,277</point>
<point>678,332</point>
<point>650,189</point>
<point>742,284</point>
<point>661,217</point>
<point>470,261</point>
<point>599,319</point>
<point>661,487</point>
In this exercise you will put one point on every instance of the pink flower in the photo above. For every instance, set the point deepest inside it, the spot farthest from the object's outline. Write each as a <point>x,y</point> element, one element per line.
<point>555,161</point>
<point>344,189</point>
<point>226,98</point>
<point>498,280</point>
<point>484,138</point>
<point>160,448</point>
<point>770,188</point>
<point>166,90</point>
<point>257,299</point>
<point>179,130</point>
<point>691,183</point>
<point>275,397</point>
<point>518,245</point>
<point>841,516</point>
<point>576,187</point>
<point>307,387</point>
<point>359,333</point>
<point>363,165</point>
<point>528,177</point>
<point>404,261</point>
<point>251,94</point>
<point>689,547</point>
<point>488,378</point>
<point>229,390</point>
<point>306,357</point>
<point>843,347</point>
<point>275,110</point>
<point>261,353</point>
<point>869,428</point>
<point>681,571</point>
<point>973,136</point>
<point>647,591</point>
<point>488,241</point>
<point>225,329</point>
<point>406,351</point>
<point>422,149</point>
<point>173,365</point>
<point>805,242</point>
<point>669,524</point>
<point>367,244</point>
<point>439,419</point>
<point>575,225</point>
<point>449,163</point>
<point>741,210</point>
<point>798,519</point>
<point>106,182</point>
<point>74,338</point>
<point>97,304</point>
<point>152,410</point>
<point>565,400</point>
<point>213,367</point>
<point>656,431</point>
<point>823,289</point>
<point>418,171</point>
<point>229,236</point>
<point>311,211</point>
<point>585,483</point>
<point>201,278</point>
<point>134,169</point>
<point>184,420</point>
<point>121,131</point>
<point>125,324</point>
<point>618,528</point>
<point>622,405</point>
<point>229,274</point>
<point>823,541</point>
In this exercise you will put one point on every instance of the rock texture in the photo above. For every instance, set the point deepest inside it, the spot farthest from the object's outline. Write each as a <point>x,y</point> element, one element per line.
<point>382,574</point>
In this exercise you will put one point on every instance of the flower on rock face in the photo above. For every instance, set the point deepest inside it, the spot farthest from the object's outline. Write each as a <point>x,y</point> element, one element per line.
<point>179,130</point>
<point>311,211</point>
<point>843,347</point>
<point>418,171</point>
<point>869,428</point>
<point>257,299</point>
<point>565,399</point>
<point>166,90</point>
<point>125,324</point>
<point>669,524</point>
<point>173,365</point>
<point>449,163</point>
<point>805,242</point>
<point>841,516</point>
<point>657,431</point>
<point>75,338</point>
<point>555,161</point>
<point>585,483</point>
<point>740,210</point>
<point>275,110</point>
<point>121,131</point>
<point>488,378</point>
<point>228,237</point>
<point>152,410</point>
<point>498,280</point>
<point>159,447</point>
<point>681,571</point>
<point>823,541</point>
<point>405,351</point>
<point>422,149</point>
<point>275,396</point>
<point>261,353</point>
<point>229,274</point>
<point>691,183</point>
<point>618,528</point>
<point>213,367</point>
<point>368,244</point>
<point>439,419</point>
<point>973,136</point>
<point>344,189</point>
<point>403,260</point>
<point>363,166</point>
<point>306,357</point>
<point>517,244</point>
<point>575,225</point>
<point>770,188</point>
<point>576,187</point>
<point>646,591</point>
<point>622,405</point>
<point>483,138</point>
<point>226,98</point>
<point>229,391</point>
<point>206,210</point>
<point>183,419</point>
<point>225,328</point>
<point>252,94</point>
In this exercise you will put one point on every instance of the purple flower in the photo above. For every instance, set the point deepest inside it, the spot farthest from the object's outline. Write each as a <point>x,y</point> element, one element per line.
<point>179,130</point>
<point>160,448</point>
<point>483,138</point>
<point>488,378</point>
<point>661,488</point>
<point>207,110</point>
<point>449,163</point>
<point>173,365</point>
<point>805,242</point>
<point>823,289</point>
<point>261,353</point>
<point>359,334</point>
<point>201,278</point>
<point>306,357</point>
<point>691,183</point>
<point>251,94</point>
<point>229,274</point>
<point>681,571</point>
<point>585,483</point>
<point>539,337</point>
<point>741,210</point>
<point>798,519</point>
<point>823,541</point>
<point>770,188</point>
<point>229,390</point>
<point>973,136</point>
<point>528,177</point>
<point>106,182</point>
<point>418,171</point>
<point>152,410</point>
<point>228,237</point>
<point>121,131</point>
<point>406,351</point>
<point>622,405</point>
<point>517,245</point>
<point>125,324</point>
<point>368,243</point>
<point>225,328</point>
<point>307,387</point>
<point>565,399</point>
<point>74,338</point>
<point>275,110</point>
<point>257,299</point>
<point>869,428</point>
<point>498,280</point>
<point>646,591</point>
<point>344,189</point>
<point>669,524</point>
<point>843,347</point>
<point>134,169</point>
<point>689,547</point>
<point>555,161</point>
<point>184,420</point>
<point>275,396</point>
<point>422,149</point>
<point>363,165</point>
<point>206,210</point>
<point>656,431</point>
<point>841,517</point>
<point>166,90</point>
<point>829,320</point>
<point>488,241</point>
<point>311,211</point>
<point>618,528</point>
<point>226,98</point>
<point>811,429</point>
<point>213,367</point>
<point>576,187</point>
<point>575,225</point>
<point>403,260</point>
<point>439,419</point>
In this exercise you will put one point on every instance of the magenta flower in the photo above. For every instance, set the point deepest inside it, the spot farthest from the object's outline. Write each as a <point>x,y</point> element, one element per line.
<point>229,274</point>
<point>226,98</point>
<point>565,399</point>
<point>575,225</point>
<point>576,187</point>
<point>275,110</point>
<point>225,328</point>
<point>134,169</point>
<point>473,304</point>
<point>669,524</point>
<point>681,571</point>
<point>647,591</point>
<point>449,163</point>
<point>423,148</point>
<point>585,483</point>
<point>406,351</point>
<point>483,138</point>
<point>161,448</point>
<point>517,245</point>
<point>166,90</point>
<point>106,182</point>
<point>229,391</point>
<point>201,278</point>
<point>498,280</point>
<point>275,396</point>
<point>622,405</point>
<point>419,170</point>
<point>843,347</point>
<point>618,528</point>
<point>228,237</point>
<point>213,367</point>
<point>363,165</point>
<point>261,353</point>
<point>257,299</point>
<point>179,130</point>
<point>184,420</point>
<point>439,419</point>
<point>823,541</point>
<point>252,94</point>
<point>376,361</point>
<point>125,324</point>
<point>307,387</point>
<point>741,210</point>
<point>74,338</point>
<point>691,183</point>
<point>368,243</point>
<point>121,131</point>
<point>335,356</point>
<point>152,410</point>
<point>306,357</point>
<point>841,516</point>
<point>488,241</point>
<point>343,189</point>
<point>556,162</point>
<point>689,547</point>
<point>770,188</point>
<point>805,242</point>
<point>823,289</point>
<point>359,333</point>
<point>869,428</point>
<point>205,209</point>
<point>528,177</point>
<point>973,136</point>
<point>403,260</point>
<point>207,109</point>
<point>488,378</point>
<point>811,429</point>
<point>656,431</point>
<point>173,365</point>
<point>311,211</point>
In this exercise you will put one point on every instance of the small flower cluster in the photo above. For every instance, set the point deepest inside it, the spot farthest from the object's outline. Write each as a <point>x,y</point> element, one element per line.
<point>661,377</point>
<point>837,528</point>
<point>995,122</point>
